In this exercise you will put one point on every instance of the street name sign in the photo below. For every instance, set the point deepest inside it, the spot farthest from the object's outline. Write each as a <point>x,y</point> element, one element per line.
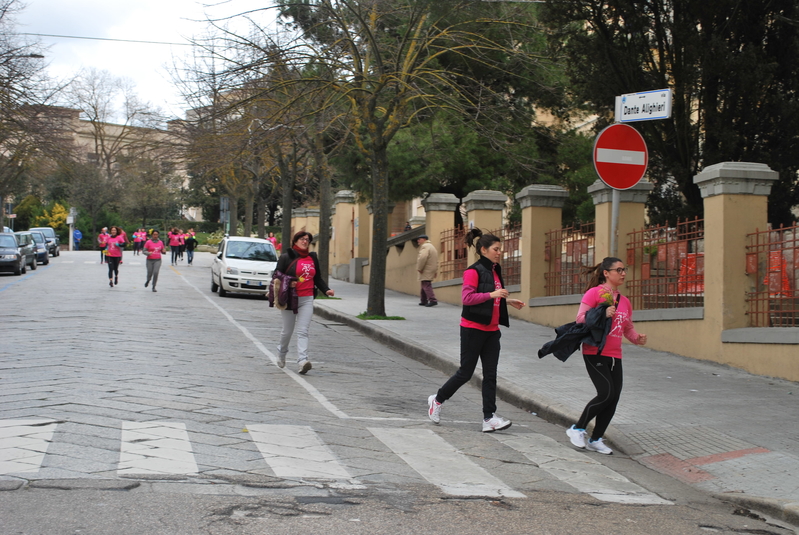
<point>646,106</point>
<point>620,156</point>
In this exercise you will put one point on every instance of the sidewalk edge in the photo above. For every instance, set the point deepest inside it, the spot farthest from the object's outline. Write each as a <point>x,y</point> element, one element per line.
<point>784,510</point>
<point>542,406</point>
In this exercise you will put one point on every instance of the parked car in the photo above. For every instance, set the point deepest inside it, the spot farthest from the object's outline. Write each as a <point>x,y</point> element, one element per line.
<point>11,256</point>
<point>42,252</point>
<point>28,247</point>
<point>53,243</point>
<point>243,265</point>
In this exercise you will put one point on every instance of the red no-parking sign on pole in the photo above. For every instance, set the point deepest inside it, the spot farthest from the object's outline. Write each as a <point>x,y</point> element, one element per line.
<point>620,156</point>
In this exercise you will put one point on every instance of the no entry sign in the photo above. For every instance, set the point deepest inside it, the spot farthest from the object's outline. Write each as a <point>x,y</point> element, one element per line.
<point>620,156</point>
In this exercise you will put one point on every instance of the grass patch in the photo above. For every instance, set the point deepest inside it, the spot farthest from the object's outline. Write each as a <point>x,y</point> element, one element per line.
<point>323,296</point>
<point>364,316</point>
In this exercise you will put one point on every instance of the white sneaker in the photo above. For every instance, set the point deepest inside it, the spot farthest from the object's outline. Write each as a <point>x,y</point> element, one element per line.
<point>305,365</point>
<point>281,361</point>
<point>577,436</point>
<point>495,423</point>
<point>598,446</point>
<point>434,409</point>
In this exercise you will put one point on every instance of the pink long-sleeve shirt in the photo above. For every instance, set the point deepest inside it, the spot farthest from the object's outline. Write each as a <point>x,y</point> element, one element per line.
<point>470,296</point>
<point>622,322</point>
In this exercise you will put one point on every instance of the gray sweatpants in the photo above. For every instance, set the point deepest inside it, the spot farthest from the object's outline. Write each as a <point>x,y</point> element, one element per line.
<point>302,321</point>
<point>153,267</point>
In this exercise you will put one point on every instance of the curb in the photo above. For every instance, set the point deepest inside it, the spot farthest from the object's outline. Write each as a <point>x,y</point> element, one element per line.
<point>784,510</point>
<point>545,408</point>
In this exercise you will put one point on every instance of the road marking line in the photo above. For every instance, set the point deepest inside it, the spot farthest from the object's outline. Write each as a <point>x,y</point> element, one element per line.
<point>23,444</point>
<point>156,448</point>
<point>295,451</point>
<point>271,356</point>
<point>579,470</point>
<point>67,262</point>
<point>441,464</point>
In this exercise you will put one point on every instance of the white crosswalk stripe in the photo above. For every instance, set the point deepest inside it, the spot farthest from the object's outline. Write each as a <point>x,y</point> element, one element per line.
<point>441,464</point>
<point>297,452</point>
<point>294,451</point>
<point>579,470</point>
<point>156,448</point>
<point>23,444</point>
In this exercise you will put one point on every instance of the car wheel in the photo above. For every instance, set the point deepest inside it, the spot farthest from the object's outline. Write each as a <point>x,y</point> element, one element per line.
<point>214,286</point>
<point>222,291</point>
<point>33,264</point>
<point>19,271</point>
<point>46,260</point>
<point>57,251</point>
<point>24,267</point>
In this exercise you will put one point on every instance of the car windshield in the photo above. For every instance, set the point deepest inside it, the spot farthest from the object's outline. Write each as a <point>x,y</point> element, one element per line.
<point>38,237</point>
<point>251,250</point>
<point>7,241</point>
<point>50,233</point>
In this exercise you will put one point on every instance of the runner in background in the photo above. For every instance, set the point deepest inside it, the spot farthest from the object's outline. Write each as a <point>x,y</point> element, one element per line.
<point>153,249</point>
<point>113,255</point>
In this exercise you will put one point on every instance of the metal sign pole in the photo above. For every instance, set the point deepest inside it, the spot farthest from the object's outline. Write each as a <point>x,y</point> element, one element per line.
<point>614,223</point>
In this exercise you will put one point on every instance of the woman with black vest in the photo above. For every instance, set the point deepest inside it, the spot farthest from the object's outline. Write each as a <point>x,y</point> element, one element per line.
<point>485,301</point>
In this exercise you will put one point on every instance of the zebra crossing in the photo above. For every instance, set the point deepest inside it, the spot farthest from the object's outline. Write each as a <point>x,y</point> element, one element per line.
<point>297,452</point>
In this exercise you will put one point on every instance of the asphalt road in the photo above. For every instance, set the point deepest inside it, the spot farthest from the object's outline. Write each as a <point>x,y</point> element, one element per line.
<point>128,411</point>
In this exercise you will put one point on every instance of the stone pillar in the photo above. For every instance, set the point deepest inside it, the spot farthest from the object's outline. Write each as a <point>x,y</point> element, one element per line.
<point>312,220</point>
<point>736,203</point>
<point>484,211</point>
<point>542,207</point>
<point>342,244</point>
<point>632,215</point>
<point>439,208</point>
<point>298,222</point>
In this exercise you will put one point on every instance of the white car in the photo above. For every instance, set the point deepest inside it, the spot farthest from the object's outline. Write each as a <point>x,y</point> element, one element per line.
<point>243,265</point>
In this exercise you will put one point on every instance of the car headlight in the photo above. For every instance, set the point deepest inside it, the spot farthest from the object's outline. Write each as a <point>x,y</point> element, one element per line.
<point>232,271</point>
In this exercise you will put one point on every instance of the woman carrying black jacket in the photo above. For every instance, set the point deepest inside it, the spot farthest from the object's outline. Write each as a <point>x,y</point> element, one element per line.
<point>303,266</point>
<point>485,301</point>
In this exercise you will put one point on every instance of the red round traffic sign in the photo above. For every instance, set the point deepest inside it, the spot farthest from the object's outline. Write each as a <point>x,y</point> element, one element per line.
<point>620,156</point>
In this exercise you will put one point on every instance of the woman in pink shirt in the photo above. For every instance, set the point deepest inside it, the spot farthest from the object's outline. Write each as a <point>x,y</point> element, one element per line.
<point>485,301</point>
<point>604,368</point>
<point>113,254</point>
<point>153,249</point>
<point>175,239</point>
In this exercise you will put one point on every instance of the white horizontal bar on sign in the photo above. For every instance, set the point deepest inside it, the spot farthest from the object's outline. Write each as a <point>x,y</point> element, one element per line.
<point>442,464</point>
<point>296,451</point>
<point>23,444</point>
<point>629,157</point>
<point>156,448</point>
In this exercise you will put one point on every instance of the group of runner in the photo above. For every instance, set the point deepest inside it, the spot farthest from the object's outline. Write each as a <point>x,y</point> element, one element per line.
<point>113,242</point>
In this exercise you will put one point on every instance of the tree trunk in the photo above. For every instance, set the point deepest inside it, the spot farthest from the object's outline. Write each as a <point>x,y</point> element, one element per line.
<point>376,305</point>
<point>260,208</point>
<point>287,180</point>
<point>248,206</point>
<point>234,215</point>
<point>323,173</point>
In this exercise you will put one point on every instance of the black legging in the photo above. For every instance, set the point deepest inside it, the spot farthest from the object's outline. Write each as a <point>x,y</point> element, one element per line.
<point>482,345</point>
<point>113,266</point>
<point>606,374</point>
<point>175,249</point>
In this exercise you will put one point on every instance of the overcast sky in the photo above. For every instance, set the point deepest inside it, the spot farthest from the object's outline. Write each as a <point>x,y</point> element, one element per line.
<point>172,21</point>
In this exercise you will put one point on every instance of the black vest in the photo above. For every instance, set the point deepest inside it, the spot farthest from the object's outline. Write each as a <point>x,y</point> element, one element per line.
<point>481,313</point>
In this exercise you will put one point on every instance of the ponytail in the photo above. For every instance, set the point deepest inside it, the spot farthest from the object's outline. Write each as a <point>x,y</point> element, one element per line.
<point>475,238</point>
<point>598,271</point>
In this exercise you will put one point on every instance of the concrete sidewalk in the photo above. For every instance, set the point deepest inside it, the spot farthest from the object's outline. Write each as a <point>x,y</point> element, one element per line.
<point>718,428</point>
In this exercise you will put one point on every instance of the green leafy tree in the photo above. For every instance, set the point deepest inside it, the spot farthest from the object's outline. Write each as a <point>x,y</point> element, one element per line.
<point>733,68</point>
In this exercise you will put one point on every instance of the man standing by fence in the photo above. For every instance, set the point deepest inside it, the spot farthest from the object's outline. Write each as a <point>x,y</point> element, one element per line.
<point>427,266</point>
